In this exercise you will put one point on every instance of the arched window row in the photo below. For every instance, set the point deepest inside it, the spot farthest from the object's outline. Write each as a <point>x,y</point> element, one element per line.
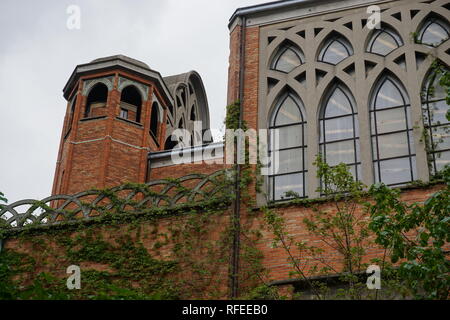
<point>391,135</point>
<point>337,48</point>
<point>130,102</point>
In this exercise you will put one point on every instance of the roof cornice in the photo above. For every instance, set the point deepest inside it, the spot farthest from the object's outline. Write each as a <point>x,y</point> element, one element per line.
<point>114,63</point>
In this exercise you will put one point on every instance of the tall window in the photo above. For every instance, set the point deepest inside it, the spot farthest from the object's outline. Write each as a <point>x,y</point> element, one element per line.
<point>287,148</point>
<point>434,108</point>
<point>392,140</point>
<point>287,58</point>
<point>339,131</point>
<point>384,41</point>
<point>335,49</point>
<point>434,32</point>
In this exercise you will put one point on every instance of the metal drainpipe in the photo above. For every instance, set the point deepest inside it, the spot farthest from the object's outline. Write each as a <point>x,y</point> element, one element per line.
<point>237,202</point>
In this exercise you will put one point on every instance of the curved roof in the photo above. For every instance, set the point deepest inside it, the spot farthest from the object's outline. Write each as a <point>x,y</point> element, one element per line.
<point>123,58</point>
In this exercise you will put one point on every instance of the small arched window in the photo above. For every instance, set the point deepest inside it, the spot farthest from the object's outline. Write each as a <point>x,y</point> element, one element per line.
<point>434,31</point>
<point>434,108</point>
<point>96,99</point>
<point>384,41</point>
<point>131,104</point>
<point>287,148</point>
<point>392,140</point>
<point>287,58</point>
<point>335,49</point>
<point>154,119</point>
<point>339,131</point>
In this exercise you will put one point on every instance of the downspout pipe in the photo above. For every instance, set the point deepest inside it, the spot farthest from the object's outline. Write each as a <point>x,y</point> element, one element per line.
<point>237,201</point>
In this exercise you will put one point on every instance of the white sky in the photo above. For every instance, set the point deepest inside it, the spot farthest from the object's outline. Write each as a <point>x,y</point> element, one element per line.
<point>38,53</point>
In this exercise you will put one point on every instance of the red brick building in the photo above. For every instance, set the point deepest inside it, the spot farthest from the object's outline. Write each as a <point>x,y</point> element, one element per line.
<point>314,70</point>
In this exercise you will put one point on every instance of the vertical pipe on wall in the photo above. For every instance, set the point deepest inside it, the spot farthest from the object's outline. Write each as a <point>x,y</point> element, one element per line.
<point>237,207</point>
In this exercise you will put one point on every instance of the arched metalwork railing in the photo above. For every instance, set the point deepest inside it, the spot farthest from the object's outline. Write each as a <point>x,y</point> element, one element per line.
<point>125,199</point>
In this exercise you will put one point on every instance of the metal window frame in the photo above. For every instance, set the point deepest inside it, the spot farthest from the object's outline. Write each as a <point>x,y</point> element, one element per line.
<point>408,131</point>
<point>443,24</point>
<point>342,40</point>
<point>428,124</point>
<point>281,100</point>
<point>322,128</point>
<point>391,32</point>
<point>285,46</point>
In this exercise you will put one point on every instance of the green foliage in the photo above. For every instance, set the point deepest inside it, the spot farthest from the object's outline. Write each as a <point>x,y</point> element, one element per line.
<point>342,232</point>
<point>2,199</point>
<point>263,292</point>
<point>232,116</point>
<point>417,234</point>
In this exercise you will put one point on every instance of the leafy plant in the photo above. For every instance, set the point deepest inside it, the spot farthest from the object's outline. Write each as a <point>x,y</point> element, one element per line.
<point>418,235</point>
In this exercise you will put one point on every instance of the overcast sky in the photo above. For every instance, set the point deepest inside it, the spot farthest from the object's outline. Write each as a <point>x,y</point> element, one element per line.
<point>38,53</point>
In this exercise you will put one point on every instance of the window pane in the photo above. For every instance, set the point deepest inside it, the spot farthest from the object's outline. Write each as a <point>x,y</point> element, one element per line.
<point>384,44</point>
<point>338,129</point>
<point>393,145</point>
<point>389,120</point>
<point>288,61</point>
<point>438,110</point>
<point>442,159</point>
<point>389,96</point>
<point>338,104</point>
<point>437,92</point>
<point>441,137</point>
<point>288,161</point>
<point>288,113</point>
<point>335,53</point>
<point>288,137</point>
<point>352,171</point>
<point>395,171</point>
<point>340,152</point>
<point>434,34</point>
<point>283,184</point>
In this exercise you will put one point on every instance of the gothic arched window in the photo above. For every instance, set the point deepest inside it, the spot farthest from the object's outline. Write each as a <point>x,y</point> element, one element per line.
<point>339,131</point>
<point>287,58</point>
<point>434,108</point>
<point>392,140</point>
<point>384,41</point>
<point>287,148</point>
<point>434,32</point>
<point>335,49</point>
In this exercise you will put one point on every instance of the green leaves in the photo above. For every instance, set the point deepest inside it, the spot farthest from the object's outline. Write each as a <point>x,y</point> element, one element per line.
<point>416,233</point>
<point>2,199</point>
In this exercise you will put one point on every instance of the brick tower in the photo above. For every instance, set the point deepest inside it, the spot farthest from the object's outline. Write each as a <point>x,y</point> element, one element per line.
<point>116,114</point>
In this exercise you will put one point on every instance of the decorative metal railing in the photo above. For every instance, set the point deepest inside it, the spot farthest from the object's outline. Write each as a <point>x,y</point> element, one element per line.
<point>128,198</point>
